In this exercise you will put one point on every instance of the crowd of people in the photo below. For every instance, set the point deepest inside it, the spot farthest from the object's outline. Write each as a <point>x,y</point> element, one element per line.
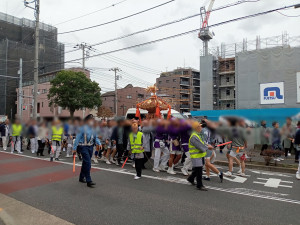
<point>165,144</point>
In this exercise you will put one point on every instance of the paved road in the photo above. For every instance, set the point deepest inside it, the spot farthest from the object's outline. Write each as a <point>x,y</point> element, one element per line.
<point>158,198</point>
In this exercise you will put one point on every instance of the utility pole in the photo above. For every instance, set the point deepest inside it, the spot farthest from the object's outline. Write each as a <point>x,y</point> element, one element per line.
<point>20,102</point>
<point>36,9</point>
<point>116,69</point>
<point>83,46</point>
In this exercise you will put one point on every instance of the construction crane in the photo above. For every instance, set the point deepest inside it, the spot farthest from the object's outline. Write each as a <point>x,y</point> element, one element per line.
<point>205,35</point>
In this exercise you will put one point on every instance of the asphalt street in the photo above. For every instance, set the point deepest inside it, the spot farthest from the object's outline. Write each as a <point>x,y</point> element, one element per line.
<point>158,198</point>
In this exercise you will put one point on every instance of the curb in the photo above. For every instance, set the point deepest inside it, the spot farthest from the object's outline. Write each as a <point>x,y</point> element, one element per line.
<point>261,167</point>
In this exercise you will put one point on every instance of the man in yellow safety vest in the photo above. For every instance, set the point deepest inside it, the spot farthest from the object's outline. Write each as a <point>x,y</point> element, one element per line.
<point>197,150</point>
<point>55,140</point>
<point>135,146</point>
<point>16,136</point>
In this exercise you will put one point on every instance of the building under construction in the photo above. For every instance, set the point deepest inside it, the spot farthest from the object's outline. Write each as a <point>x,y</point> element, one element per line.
<point>17,41</point>
<point>248,75</point>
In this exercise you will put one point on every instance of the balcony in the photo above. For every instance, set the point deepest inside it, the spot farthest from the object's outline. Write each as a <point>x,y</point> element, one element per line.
<point>196,77</point>
<point>196,99</point>
<point>184,106</point>
<point>186,83</point>
<point>229,84</point>
<point>185,91</point>
<point>196,84</point>
<point>227,72</point>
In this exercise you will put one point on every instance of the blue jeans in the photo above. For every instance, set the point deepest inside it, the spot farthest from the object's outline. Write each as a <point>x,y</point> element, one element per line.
<point>86,153</point>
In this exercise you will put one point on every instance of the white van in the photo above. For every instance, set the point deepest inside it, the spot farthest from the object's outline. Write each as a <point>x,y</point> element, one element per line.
<point>132,111</point>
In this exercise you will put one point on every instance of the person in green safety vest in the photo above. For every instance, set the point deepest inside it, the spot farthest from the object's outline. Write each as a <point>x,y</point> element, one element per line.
<point>55,139</point>
<point>135,146</point>
<point>197,150</point>
<point>17,129</point>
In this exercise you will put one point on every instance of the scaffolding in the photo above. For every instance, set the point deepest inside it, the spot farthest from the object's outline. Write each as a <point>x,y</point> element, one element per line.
<point>230,50</point>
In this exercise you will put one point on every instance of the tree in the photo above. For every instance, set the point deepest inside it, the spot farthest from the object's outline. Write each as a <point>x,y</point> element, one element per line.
<point>73,91</point>
<point>104,112</point>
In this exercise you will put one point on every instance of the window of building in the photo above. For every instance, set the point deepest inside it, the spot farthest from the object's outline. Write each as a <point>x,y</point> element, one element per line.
<point>38,108</point>
<point>174,80</point>
<point>227,92</point>
<point>129,96</point>
<point>141,96</point>
<point>174,87</point>
<point>227,79</point>
<point>167,81</point>
<point>228,105</point>
<point>159,82</point>
<point>227,65</point>
<point>173,96</point>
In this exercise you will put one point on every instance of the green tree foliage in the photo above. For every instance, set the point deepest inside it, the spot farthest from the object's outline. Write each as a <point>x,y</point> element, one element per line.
<point>73,91</point>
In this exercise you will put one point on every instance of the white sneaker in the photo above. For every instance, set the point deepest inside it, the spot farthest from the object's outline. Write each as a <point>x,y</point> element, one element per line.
<point>281,159</point>
<point>108,162</point>
<point>133,164</point>
<point>239,172</point>
<point>185,173</point>
<point>298,176</point>
<point>4,149</point>
<point>117,163</point>
<point>68,156</point>
<point>171,171</point>
<point>162,168</point>
<point>277,160</point>
<point>113,161</point>
<point>20,153</point>
<point>103,159</point>
<point>95,160</point>
<point>136,177</point>
<point>228,174</point>
<point>156,170</point>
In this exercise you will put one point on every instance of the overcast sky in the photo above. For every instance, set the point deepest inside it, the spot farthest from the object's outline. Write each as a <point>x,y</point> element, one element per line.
<point>142,65</point>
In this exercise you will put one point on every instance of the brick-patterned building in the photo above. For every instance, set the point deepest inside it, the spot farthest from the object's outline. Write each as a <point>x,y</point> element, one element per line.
<point>181,88</point>
<point>128,97</point>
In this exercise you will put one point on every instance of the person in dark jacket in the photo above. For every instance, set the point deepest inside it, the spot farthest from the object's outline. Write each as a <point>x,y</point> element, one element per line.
<point>4,132</point>
<point>118,138</point>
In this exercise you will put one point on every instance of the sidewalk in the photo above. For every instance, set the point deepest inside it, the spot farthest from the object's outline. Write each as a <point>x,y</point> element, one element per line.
<point>13,212</point>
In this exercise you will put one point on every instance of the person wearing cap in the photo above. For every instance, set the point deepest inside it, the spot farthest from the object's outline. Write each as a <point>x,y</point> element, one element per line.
<point>55,140</point>
<point>87,138</point>
<point>135,146</point>
<point>197,150</point>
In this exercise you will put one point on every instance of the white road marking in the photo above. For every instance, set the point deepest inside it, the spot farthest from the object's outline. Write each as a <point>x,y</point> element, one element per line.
<point>180,181</point>
<point>272,182</point>
<point>236,179</point>
<point>270,173</point>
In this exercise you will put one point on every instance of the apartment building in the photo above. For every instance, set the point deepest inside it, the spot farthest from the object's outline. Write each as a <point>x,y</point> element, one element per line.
<point>128,97</point>
<point>181,88</point>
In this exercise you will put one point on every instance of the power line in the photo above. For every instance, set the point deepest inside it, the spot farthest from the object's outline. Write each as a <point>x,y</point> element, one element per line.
<point>181,34</point>
<point>287,15</point>
<point>75,18</point>
<point>169,23</point>
<point>113,21</point>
